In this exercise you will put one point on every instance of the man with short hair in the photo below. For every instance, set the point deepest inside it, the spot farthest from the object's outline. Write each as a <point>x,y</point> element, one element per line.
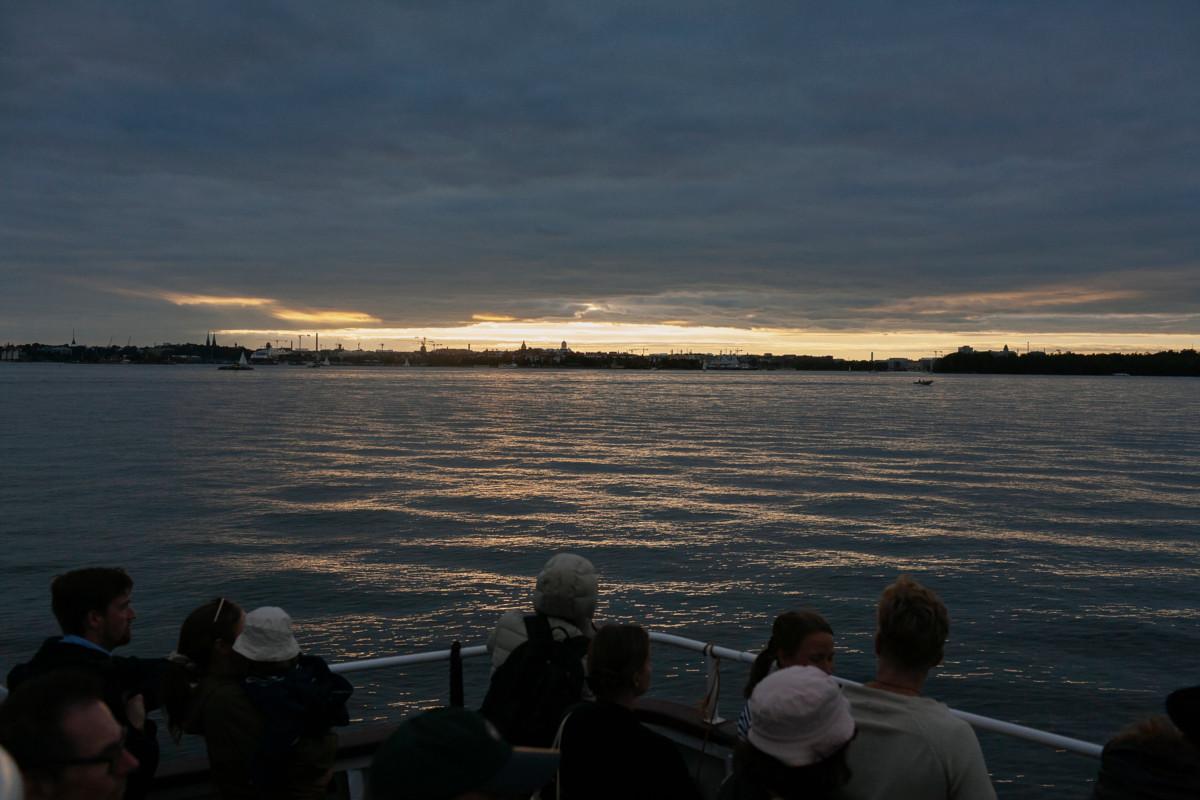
<point>65,740</point>
<point>94,609</point>
<point>910,747</point>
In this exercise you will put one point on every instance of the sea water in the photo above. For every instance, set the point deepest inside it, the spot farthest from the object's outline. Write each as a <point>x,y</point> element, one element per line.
<point>395,510</point>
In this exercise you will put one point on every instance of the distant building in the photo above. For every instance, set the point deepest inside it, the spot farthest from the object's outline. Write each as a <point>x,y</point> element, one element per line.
<point>269,354</point>
<point>900,364</point>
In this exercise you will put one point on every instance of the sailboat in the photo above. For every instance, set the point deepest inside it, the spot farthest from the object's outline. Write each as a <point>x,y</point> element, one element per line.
<point>240,365</point>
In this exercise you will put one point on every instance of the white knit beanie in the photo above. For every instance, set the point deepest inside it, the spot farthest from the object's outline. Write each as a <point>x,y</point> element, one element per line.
<point>567,588</point>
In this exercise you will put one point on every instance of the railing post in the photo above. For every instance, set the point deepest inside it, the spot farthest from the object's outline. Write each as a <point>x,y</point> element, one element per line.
<point>712,691</point>
<point>456,675</point>
<point>355,785</point>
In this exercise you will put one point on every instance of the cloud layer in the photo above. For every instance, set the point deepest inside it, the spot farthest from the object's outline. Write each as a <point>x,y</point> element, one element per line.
<point>960,167</point>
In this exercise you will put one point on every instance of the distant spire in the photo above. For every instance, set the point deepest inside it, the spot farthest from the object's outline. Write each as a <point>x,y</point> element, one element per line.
<point>207,341</point>
<point>214,341</point>
<point>72,337</point>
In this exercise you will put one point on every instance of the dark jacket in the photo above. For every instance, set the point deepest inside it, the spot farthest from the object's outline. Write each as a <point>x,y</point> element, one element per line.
<point>271,736</point>
<point>232,727</point>
<point>607,753</point>
<point>122,677</point>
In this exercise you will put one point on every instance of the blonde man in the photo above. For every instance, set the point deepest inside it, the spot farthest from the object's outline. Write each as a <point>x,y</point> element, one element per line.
<point>910,747</point>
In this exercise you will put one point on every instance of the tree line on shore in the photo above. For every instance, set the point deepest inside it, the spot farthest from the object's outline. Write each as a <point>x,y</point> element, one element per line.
<point>1167,362</point>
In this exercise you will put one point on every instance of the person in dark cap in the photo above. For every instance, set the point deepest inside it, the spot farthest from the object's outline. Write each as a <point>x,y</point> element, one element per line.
<point>1150,760</point>
<point>1183,706</point>
<point>456,754</point>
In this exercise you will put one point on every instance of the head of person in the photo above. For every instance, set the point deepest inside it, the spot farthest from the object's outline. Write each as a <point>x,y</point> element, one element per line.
<point>1183,706</point>
<point>1149,759</point>
<point>455,754</point>
<point>64,739</point>
<point>266,643</point>
<point>94,603</point>
<point>205,646</point>
<point>800,724</point>
<point>798,639</point>
<point>567,588</point>
<point>911,627</point>
<point>618,663</point>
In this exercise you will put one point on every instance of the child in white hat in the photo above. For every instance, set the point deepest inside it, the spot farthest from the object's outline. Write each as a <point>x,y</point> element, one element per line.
<point>282,716</point>
<point>800,725</point>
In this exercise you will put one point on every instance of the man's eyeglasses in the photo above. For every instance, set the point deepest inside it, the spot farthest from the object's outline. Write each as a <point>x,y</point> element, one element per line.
<point>111,755</point>
<point>220,606</point>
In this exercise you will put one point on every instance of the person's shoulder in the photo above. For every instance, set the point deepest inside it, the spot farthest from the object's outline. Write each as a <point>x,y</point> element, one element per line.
<point>313,665</point>
<point>218,695</point>
<point>937,724</point>
<point>54,655</point>
<point>513,619</point>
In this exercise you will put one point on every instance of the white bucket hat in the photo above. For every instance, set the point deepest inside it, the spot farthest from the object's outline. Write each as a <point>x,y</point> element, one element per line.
<point>799,716</point>
<point>267,636</point>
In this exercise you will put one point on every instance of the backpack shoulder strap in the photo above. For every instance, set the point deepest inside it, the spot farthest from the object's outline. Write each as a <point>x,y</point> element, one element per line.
<point>537,627</point>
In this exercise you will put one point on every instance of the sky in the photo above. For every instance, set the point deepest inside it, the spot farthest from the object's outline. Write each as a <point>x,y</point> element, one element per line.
<point>820,178</point>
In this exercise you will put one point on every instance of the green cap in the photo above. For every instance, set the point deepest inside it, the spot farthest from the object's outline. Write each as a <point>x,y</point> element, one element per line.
<point>445,752</point>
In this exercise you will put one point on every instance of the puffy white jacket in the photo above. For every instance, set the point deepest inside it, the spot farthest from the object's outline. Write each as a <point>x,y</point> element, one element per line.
<point>510,634</point>
<point>566,592</point>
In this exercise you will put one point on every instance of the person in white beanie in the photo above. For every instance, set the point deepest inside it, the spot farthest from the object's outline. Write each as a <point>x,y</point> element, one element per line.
<point>539,660</point>
<point>565,593</point>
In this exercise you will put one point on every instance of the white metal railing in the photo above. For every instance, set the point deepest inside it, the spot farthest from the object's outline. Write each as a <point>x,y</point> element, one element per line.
<point>714,654</point>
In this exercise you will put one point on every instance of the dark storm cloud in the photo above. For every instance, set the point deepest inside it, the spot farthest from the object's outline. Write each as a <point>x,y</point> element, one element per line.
<point>768,165</point>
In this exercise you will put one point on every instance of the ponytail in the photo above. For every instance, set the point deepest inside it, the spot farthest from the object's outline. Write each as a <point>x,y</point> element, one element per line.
<point>761,666</point>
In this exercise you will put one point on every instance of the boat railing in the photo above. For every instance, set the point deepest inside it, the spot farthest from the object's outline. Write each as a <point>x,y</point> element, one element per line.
<point>714,655</point>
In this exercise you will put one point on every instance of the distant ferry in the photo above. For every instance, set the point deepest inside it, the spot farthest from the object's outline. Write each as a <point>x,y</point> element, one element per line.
<point>724,362</point>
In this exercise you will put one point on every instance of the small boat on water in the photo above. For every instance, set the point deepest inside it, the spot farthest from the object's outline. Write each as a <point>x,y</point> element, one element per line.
<point>923,382</point>
<point>240,365</point>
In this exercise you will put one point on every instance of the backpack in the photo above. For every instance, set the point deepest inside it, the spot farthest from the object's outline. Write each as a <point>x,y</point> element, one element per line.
<point>532,690</point>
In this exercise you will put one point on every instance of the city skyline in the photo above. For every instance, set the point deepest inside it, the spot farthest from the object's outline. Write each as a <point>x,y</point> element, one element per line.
<point>666,176</point>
